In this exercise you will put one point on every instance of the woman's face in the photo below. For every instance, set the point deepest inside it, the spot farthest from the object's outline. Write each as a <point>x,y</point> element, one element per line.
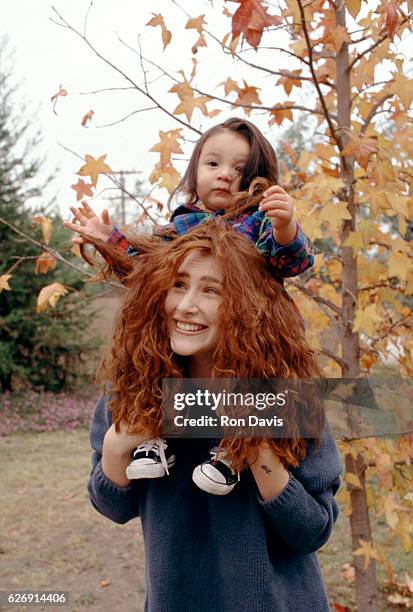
<point>192,306</point>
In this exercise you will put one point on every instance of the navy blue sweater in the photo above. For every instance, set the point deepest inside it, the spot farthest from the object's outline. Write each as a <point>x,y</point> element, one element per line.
<point>233,553</point>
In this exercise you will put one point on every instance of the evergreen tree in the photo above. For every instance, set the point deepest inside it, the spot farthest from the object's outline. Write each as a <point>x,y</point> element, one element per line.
<point>43,350</point>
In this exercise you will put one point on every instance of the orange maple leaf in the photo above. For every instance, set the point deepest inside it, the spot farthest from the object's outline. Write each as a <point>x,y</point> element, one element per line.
<point>188,100</point>
<point>391,18</point>
<point>61,92</point>
<point>250,19</point>
<point>46,225</point>
<point>362,148</point>
<point>44,263</point>
<point>167,176</point>
<point>82,189</point>
<point>248,95</point>
<point>290,80</point>
<point>93,167</point>
<point>168,144</point>
<point>278,114</point>
<point>196,23</point>
<point>87,117</point>
<point>157,20</point>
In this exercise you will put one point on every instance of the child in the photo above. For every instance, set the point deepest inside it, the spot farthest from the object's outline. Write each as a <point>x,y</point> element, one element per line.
<point>225,161</point>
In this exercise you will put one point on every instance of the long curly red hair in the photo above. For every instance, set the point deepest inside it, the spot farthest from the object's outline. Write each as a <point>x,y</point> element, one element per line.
<point>261,334</point>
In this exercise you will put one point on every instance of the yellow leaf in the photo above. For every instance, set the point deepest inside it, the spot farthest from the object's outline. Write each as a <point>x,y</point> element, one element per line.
<point>168,177</point>
<point>404,528</point>
<point>353,479</point>
<point>398,203</point>
<point>334,214</point>
<point>403,87</point>
<point>167,145</point>
<point>367,551</point>
<point>362,148</point>
<point>157,20</point>
<point>335,269</point>
<point>94,167</point>
<point>4,282</point>
<point>354,240</point>
<point>353,7</point>
<point>44,263</point>
<point>46,225</point>
<point>367,320</point>
<point>196,23</point>
<point>329,293</point>
<point>399,265</point>
<point>49,296</point>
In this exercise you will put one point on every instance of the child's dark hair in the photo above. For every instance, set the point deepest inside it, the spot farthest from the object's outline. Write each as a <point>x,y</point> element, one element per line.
<point>262,160</point>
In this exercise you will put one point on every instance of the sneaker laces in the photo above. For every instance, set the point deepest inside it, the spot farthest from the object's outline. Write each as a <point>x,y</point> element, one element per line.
<point>221,455</point>
<point>158,445</point>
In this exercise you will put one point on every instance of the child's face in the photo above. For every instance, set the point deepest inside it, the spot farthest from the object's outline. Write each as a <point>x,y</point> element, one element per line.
<point>220,167</point>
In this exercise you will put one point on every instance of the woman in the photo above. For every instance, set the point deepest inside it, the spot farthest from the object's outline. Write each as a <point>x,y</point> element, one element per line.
<point>252,550</point>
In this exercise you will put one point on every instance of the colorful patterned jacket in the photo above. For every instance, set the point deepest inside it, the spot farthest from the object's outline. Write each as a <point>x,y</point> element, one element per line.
<point>284,260</point>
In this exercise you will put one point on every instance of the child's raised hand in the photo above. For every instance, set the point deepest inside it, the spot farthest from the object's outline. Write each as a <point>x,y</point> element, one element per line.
<point>278,206</point>
<point>90,226</point>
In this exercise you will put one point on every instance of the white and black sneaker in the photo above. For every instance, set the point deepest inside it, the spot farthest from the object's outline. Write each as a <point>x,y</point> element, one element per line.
<point>216,475</point>
<point>151,459</point>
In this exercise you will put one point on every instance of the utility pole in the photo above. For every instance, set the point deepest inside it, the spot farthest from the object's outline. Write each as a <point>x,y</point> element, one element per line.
<point>123,196</point>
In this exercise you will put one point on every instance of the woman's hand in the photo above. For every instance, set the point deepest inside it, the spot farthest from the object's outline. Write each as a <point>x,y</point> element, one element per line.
<point>90,226</point>
<point>117,452</point>
<point>122,443</point>
<point>278,206</point>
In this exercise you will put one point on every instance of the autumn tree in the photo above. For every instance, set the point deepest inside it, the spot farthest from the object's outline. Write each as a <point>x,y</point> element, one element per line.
<point>343,65</point>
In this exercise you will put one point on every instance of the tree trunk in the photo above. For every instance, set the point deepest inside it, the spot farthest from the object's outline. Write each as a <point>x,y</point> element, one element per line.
<point>365,579</point>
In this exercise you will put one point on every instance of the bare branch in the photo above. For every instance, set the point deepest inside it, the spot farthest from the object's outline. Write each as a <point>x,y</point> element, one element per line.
<point>87,17</point>
<point>316,298</point>
<point>334,357</point>
<point>53,252</point>
<point>315,79</point>
<point>118,185</point>
<point>96,91</point>
<point>122,73</point>
<point>358,94</point>
<point>401,321</point>
<point>373,46</point>
<point>140,110</point>
<point>374,112</point>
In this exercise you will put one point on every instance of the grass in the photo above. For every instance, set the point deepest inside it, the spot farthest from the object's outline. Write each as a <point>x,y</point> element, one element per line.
<point>53,539</point>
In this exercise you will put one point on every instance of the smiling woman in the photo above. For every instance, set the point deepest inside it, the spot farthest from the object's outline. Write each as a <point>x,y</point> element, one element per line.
<point>192,311</point>
<point>204,304</point>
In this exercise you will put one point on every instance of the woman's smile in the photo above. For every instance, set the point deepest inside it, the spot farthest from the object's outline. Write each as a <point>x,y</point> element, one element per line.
<point>192,308</point>
<point>184,326</point>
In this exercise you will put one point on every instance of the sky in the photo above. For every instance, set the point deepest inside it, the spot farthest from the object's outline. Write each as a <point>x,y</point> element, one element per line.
<point>47,56</point>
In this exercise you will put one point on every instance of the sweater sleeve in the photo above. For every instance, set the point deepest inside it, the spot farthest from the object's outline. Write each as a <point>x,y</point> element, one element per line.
<point>285,259</point>
<point>304,512</point>
<point>119,504</point>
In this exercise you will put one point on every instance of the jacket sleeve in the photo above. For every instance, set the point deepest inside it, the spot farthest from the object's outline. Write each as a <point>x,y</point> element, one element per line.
<point>118,241</point>
<point>119,504</point>
<point>304,512</point>
<point>288,259</point>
